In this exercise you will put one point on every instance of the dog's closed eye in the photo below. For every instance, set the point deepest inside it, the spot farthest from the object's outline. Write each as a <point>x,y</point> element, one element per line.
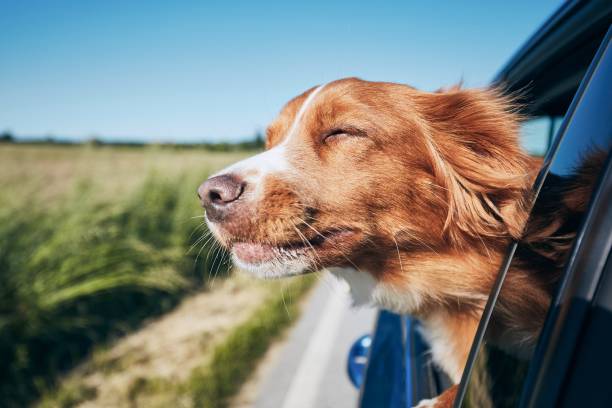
<point>337,134</point>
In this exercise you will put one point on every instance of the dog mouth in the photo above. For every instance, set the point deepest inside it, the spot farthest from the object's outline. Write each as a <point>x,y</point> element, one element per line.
<point>256,253</point>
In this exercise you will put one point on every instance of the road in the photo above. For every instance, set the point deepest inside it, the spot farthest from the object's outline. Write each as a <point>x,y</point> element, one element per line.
<point>310,370</point>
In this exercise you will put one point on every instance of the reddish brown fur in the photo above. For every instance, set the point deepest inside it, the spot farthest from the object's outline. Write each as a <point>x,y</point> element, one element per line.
<point>433,186</point>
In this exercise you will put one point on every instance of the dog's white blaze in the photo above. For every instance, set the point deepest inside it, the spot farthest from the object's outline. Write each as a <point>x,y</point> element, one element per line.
<point>275,160</point>
<point>252,169</point>
<point>298,116</point>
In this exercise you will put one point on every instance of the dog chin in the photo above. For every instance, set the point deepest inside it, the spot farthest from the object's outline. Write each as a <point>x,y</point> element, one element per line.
<point>274,269</point>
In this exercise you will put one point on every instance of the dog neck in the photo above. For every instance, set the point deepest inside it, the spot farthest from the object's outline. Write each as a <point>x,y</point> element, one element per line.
<point>449,310</point>
<point>419,283</point>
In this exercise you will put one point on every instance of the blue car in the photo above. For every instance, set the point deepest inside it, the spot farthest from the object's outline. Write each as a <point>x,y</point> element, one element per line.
<point>564,74</point>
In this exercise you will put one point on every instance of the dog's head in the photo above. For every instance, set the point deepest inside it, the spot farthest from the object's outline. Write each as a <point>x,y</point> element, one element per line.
<point>355,172</point>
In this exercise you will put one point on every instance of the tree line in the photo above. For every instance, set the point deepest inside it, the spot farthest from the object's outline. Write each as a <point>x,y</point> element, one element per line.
<point>254,143</point>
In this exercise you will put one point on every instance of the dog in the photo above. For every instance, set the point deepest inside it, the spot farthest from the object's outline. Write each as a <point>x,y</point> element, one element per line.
<point>411,197</point>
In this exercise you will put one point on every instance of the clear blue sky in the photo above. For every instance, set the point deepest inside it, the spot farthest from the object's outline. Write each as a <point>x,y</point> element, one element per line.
<point>221,70</point>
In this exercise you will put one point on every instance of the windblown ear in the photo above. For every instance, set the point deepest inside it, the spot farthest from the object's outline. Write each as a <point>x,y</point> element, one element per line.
<point>472,139</point>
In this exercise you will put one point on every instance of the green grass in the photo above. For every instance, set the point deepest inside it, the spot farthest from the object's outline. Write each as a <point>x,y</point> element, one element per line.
<point>88,250</point>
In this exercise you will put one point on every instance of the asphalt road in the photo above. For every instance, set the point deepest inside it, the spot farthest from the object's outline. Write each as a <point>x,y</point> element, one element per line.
<point>310,371</point>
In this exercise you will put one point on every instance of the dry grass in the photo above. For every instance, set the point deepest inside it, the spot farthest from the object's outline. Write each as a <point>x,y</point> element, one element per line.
<point>199,355</point>
<point>46,174</point>
<point>167,349</point>
<point>93,241</point>
<point>96,273</point>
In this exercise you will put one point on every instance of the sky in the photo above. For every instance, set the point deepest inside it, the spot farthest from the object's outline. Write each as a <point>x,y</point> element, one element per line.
<point>191,71</point>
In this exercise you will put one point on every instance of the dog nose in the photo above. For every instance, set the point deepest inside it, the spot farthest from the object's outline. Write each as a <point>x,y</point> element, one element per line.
<point>216,192</point>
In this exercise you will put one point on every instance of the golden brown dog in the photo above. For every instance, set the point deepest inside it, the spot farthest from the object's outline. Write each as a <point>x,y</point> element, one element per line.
<point>409,196</point>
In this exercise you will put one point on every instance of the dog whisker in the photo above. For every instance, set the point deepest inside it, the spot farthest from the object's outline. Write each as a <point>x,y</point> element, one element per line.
<point>204,236</point>
<point>214,249</point>
<point>204,245</point>
<point>339,249</point>
<point>218,251</point>
<point>306,242</point>
<point>399,256</point>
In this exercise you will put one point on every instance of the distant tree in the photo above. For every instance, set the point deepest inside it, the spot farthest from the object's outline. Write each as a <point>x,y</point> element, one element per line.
<point>256,143</point>
<point>259,142</point>
<point>7,137</point>
<point>94,141</point>
<point>49,139</point>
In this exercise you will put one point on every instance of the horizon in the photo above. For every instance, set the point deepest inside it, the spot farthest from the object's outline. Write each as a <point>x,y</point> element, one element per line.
<point>216,72</point>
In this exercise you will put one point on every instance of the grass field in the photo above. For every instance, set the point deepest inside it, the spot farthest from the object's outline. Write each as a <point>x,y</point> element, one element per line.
<point>94,241</point>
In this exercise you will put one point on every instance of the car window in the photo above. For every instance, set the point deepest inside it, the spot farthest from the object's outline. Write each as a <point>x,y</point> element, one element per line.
<point>502,362</point>
<point>537,134</point>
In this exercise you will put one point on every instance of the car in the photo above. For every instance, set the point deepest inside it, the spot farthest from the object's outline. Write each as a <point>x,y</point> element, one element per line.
<point>563,75</point>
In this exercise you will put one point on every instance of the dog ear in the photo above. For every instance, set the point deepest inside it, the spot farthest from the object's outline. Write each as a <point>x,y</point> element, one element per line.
<point>472,141</point>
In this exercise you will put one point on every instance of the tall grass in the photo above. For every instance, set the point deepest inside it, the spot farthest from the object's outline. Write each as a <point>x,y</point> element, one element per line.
<point>86,270</point>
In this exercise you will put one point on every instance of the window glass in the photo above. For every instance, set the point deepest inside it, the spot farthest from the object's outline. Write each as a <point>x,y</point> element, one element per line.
<point>537,134</point>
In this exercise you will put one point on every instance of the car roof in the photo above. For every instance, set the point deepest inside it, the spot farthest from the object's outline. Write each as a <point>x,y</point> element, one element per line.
<point>566,41</point>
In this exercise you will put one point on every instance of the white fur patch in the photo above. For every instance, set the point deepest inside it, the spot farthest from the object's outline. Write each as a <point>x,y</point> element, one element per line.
<point>300,114</point>
<point>427,403</point>
<point>255,168</point>
<point>361,284</point>
<point>275,160</point>
<point>438,337</point>
<point>286,266</point>
<point>366,290</point>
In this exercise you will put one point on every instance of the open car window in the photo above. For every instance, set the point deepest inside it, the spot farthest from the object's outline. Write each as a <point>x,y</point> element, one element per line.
<point>500,360</point>
<point>537,133</point>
